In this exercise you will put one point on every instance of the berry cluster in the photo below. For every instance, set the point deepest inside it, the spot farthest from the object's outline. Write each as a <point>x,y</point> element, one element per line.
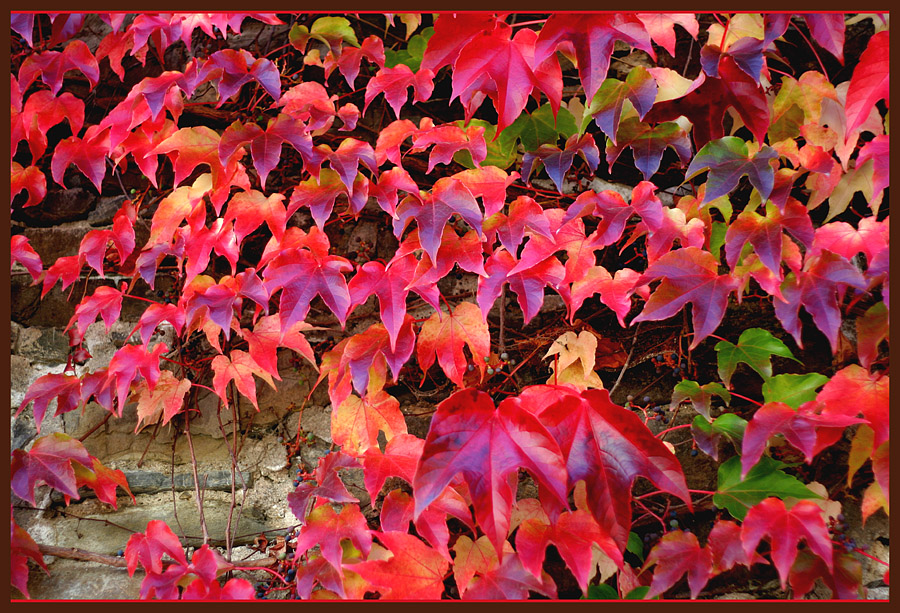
<point>495,368</point>
<point>679,366</point>
<point>836,527</point>
<point>282,550</point>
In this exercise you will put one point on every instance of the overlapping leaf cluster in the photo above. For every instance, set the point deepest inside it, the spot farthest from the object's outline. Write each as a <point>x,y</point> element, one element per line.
<point>760,150</point>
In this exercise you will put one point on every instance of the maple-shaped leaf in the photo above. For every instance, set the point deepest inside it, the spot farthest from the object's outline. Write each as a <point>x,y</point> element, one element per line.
<point>593,37</point>
<point>265,145</point>
<point>346,158</point>
<point>42,111</point>
<point>558,161</point>
<point>147,548</point>
<point>390,285</point>
<point>421,567</point>
<point>816,288</point>
<point>528,285</point>
<point>265,338</point>
<point>88,154</point>
<point>240,367</point>
<point>690,275</point>
<point>870,237</point>
<point>166,399</point>
<point>765,479</point>
<point>471,558</point>
<point>574,533</point>
<point>754,348</point>
<point>724,543</point>
<point>444,335</point>
<point>318,194</point>
<point>350,58</point>
<point>447,139</point>
<point>870,393</point>
<point>615,290</point>
<point>727,160</point>
<point>469,435</point>
<point>355,424</point>
<point>22,252</point>
<point>827,29</point>
<point>844,581</point>
<point>648,143</point>
<point>30,179</point>
<point>326,528</point>
<point>877,150</point>
<point>677,553</point>
<point>326,485</point>
<point>524,213</point>
<point>661,27</point>
<point>764,233</point>
<point>605,445</point>
<point>67,268</point>
<point>785,527</point>
<point>707,434</point>
<point>394,83</point>
<point>488,183</point>
<point>639,87</point>
<point>699,395</point>
<point>505,68</point>
<point>23,24</point>
<point>707,100</point>
<point>869,84</point>
<point>22,547</point>
<point>102,480</point>
<point>801,427</point>
<point>250,209</point>
<point>130,362</point>
<point>48,461</point>
<point>53,65</point>
<point>452,32</point>
<point>509,581</point>
<point>301,275</point>
<point>399,459</point>
<point>389,183</point>
<point>107,301</point>
<point>232,68</point>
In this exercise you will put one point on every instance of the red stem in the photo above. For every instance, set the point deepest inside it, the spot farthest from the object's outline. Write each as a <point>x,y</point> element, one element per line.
<point>672,428</point>
<point>756,402</point>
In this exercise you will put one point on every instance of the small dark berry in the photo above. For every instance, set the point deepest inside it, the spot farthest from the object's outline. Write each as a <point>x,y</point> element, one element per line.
<point>296,483</point>
<point>471,367</point>
<point>676,371</point>
<point>674,356</point>
<point>665,420</point>
<point>694,452</point>
<point>840,517</point>
<point>646,399</point>
<point>504,356</point>
<point>490,371</point>
<point>673,514</point>
<point>673,523</point>
<point>686,530</point>
<point>120,553</point>
<point>659,357</point>
<point>629,397</point>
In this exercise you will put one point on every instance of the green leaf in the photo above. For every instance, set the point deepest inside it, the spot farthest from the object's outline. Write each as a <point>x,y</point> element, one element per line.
<point>540,127</point>
<point>500,153</point>
<point>716,240</point>
<point>330,30</point>
<point>707,434</point>
<point>764,480</point>
<point>699,395</point>
<point>793,390</point>
<point>635,546</point>
<point>647,142</point>
<point>639,593</point>
<point>601,592</point>
<point>754,348</point>
<point>412,54</point>
<point>638,90</point>
<point>727,160</point>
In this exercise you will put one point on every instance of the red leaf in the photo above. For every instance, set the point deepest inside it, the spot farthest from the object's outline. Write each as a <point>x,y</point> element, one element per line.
<point>557,162</point>
<point>327,529</point>
<point>22,252</point>
<point>869,84</point>
<point>421,568</point>
<point>827,29</point>
<point>615,291</point>
<point>128,363</point>
<point>167,398</point>
<point>249,209</point>
<point>30,179</point>
<point>843,239</point>
<point>48,461</point>
<point>593,37</point>
<point>399,459</point>
<point>301,275</point>
<point>43,110</point>
<point>469,436</point>
<point>67,268</point>
<point>573,533</point>
<point>816,288</point>
<point>447,140</point>
<point>266,145</point>
<point>648,144</point>
<point>22,547</point>
<point>488,183</point>
<point>148,548</point>
<point>724,543</point>
<point>528,285</point>
<point>394,83</point>
<point>677,553</point>
<point>156,313</point>
<point>471,558</point>
<point>765,233</point>
<point>234,589</point>
<point>608,447</point>
<point>509,581</point>
<point>240,368</point>
<point>387,147</point>
<point>505,69</point>
<point>266,337</point>
<point>52,66</point>
<point>845,582</point>
<point>448,196</point>
<point>785,528</point>
<point>690,275</point>
<point>524,212</point>
<point>232,68</point>
<point>801,428</point>
<point>661,27</point>
<point>872,328</point>
<point>444,335</point>
<point>372,48</point>
<point>390,285</point>
<point>107,301</point>
<point>102,480</point>
<point>327,485</point>
<point>356,422</point>
<point>639,87</point>
<point>870,394</point>
<point>88,154</point>
<point>452,31</point>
